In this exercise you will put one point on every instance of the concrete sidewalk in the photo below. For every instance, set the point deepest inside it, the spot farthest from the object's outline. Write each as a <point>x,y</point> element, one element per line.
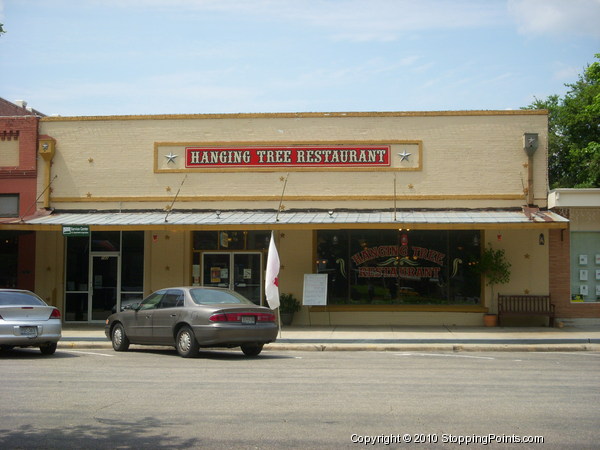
<point>395,338</point>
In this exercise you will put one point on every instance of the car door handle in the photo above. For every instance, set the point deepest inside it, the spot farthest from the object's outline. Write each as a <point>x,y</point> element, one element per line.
<point>173,315</point>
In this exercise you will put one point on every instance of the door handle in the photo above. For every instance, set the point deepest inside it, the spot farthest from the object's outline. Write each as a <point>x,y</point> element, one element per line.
<point>173,315</point>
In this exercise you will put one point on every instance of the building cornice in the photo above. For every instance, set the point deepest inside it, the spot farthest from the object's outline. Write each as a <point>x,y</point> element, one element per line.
<point>323,115</point>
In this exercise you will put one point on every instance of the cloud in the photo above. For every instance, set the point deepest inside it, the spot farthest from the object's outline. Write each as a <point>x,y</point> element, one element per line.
<point>556,17</point>
<point>566,74</point>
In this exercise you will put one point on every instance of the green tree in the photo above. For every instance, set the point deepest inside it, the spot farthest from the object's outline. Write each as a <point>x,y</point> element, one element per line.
<point>2,28</point>
<point>574,132</point>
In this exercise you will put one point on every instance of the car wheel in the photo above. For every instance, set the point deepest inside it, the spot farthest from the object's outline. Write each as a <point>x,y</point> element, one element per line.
<point>120,341</point>
<point>187,345</point>
<point>48,349</point>
<point>252,350</point>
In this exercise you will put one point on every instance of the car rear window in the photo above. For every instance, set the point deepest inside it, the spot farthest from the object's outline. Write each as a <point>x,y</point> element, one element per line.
<point>19,299</point>
<point>213,296</point>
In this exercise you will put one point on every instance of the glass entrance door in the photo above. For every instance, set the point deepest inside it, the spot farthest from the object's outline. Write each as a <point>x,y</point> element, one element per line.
<point>241,272</point>
<point>103,289</point>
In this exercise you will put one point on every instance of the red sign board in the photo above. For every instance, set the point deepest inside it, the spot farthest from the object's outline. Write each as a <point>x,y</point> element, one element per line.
<point>308,156</point>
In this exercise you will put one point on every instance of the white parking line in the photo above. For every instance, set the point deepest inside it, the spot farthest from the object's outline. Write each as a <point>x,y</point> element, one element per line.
<point>590,354</point>
<point>86,353</point>
<point>444,355</point>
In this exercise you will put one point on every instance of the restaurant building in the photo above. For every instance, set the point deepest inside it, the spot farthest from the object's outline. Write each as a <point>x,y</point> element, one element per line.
<point>393,207</point>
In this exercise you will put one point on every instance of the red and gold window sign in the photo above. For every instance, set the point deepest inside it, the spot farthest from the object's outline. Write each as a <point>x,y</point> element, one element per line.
<point>296,156</point>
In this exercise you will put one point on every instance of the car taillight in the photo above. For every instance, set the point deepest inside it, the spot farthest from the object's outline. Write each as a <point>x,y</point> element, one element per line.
<point>237,317</point>
<point>218,318</point>
<point>266,317</point>
<point>55,314</point>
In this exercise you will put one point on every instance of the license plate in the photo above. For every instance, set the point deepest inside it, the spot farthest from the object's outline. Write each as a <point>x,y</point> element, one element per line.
<point>29,331</point>
<point>250,320</point>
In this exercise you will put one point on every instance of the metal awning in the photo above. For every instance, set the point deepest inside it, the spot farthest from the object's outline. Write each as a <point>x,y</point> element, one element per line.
<point>416,219</point>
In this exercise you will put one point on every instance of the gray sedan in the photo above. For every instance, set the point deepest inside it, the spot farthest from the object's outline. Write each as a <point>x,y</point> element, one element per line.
<point>188,318</point>
<point>27,321</point>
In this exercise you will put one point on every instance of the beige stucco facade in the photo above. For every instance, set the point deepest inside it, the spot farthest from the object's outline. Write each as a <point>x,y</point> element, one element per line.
<point>472,160</point>
<point>448,161</point>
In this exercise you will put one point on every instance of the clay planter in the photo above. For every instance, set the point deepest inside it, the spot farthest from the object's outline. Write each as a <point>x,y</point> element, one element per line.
<point>490,320</point>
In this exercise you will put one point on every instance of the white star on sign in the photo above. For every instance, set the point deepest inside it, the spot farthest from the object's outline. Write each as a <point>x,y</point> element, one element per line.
<point>171,157</point>
<point>404,155</point>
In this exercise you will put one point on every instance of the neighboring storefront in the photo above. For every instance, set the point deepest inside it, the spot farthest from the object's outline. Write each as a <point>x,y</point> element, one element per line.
<point>18,186</point>
<point>581,284</point>
<point>394,208</point>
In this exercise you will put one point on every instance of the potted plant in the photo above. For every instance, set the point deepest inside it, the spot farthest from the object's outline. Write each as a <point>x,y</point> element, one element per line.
<point>496,270</point>
<point>288,305</point>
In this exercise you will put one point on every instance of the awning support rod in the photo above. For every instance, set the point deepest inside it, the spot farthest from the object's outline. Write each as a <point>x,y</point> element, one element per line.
<point>281,199</point>
<point>38,197</point>
<point>174,199</point>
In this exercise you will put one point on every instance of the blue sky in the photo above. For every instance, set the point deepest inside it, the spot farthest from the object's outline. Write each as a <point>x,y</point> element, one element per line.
<point>113,57</point>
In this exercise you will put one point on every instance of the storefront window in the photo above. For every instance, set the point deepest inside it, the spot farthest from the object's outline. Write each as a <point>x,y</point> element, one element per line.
<point>231,240</point>
<point>206,240</point>
<point>399,266</point>
<point>9,251</point>
<point>77,263</point>
<point>106,241</point>
<point>585,266</point>
<point>97,258</point>
<point>132,262</point>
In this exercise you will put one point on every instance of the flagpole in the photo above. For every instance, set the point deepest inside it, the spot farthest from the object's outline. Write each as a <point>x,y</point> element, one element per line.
<point>279,321</point>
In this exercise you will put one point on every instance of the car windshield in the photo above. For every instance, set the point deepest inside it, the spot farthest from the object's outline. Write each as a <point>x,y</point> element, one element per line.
<point>19,299</point>
<point>213,296</point>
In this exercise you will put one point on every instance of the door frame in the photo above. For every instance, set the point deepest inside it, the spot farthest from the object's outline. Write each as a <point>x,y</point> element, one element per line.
<point>231,254</point>
<point>91,282</point>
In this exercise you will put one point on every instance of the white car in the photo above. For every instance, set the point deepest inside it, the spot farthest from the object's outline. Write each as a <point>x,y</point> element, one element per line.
<point>27,321</point>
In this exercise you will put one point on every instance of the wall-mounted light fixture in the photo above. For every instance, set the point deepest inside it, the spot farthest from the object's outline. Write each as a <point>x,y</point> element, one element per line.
<point>530,143</point>
<point>542,239</point>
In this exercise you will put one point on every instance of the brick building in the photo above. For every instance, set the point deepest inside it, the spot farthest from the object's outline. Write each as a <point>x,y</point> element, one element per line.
<point>18,187</point>
<point>575,256</point>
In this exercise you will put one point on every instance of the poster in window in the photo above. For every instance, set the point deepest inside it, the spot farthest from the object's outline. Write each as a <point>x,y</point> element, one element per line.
<point>583,260</point>
<point>597,258</point>
<point>583,289</point>
<point>224,240</point>
<point>583,275</point>
<point>215,274</point>
<point>597,274</point>
<point>247,274</point>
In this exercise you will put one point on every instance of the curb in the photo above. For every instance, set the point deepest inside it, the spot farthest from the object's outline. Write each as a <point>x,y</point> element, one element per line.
<point>450,347</point>
<point>399,347</point>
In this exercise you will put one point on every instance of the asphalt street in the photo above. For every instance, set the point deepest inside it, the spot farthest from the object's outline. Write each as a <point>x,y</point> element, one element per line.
<point>152,398</point>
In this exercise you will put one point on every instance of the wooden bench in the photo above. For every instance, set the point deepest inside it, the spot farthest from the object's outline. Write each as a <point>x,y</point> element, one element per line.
<point>525,305</point>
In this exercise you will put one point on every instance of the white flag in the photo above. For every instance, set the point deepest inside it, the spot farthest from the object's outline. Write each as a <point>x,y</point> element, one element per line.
<point>271,280</point>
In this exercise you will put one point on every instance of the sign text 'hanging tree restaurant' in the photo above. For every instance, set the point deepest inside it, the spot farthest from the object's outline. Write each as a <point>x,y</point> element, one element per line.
<point>394,208</point>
